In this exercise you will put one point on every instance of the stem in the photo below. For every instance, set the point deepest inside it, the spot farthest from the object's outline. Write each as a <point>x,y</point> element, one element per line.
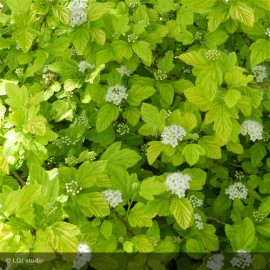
<point>18,178</point>
<point>235,165</point>
<point>129,205</point>
<point>261,85</point>
<point>216,220</point>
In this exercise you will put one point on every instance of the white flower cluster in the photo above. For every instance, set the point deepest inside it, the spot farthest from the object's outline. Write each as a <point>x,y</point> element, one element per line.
<point>48,78</point>
<point>1,7</point>
<point>227,1</point>
<point>83,65</point>
<point>78,14</point>
<point>71,161</point>
<point>172,134</point>
<point>242,260</point>
<point>116,93</point>
<point>239,175</point>
<point>237,191</point>
<point>123,70</point>
<point>160,75</point>
<point>92,155</point>
<point>168,113</point>
<point>178,183</point>
<point>253,129</point>
<point>259,73</point>
<point>134,4</point>
<point>132,38</point>
<point>212,55</point>
<point>198,35</point>
<point>143,148</point>
<point>82,257</point>
<point>153,241</point>
<point>135,186</point>
<point>215,262</point>
<point>80,120</point>
<point>195,201</point>
<point>113,197</point>
<point>267,32</point>
<point>19,72</point>
<point>186,70</point>
<point>122,129</point>
<point>258,216</point>
<point>73,187</point>
<point>198,221</point>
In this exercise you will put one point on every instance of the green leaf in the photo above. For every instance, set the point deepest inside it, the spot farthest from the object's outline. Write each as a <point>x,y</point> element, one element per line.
<point>260,51</point>
<point>138,93</point>
<point>194,58</point>
<point>61,13</point>
<point>97,10</point>
<point>88,172</point>
<point>122,49</point>
<point>65,68</point>
<point>93,204</point>
<point>35,125</point>
<point>153,151</point>
<point>166,63</point>
<point>209,79</point>
<point>132,114</point>
<point>17,97</point>
<point>152,116</point>
<point>264,229</point>
<point>62,237</point>
<point>192,153</point>
<point>231,97</point>
<point>198,178</point>
<point>258,152</point>
<point>106,115</point>
<point>142,244</point>
<point>141,48</point>
<point>19,6</point>
<point>24,37</point>
<point>146,188</point>
<point>138,216</point>
<point>264,4</point>
<point>242,12</point>
<point>80,39</point>
<point>216,16</point>
<point>182,211</point>
<point>213,39</point>
<point>242,235</point>
<point>221,116</point>
<point>194,246</point>
<point>198,97</point>
<point>211,148</point>
<point>106,229</point>
<point>124,158</point>
<point>166,91</point>
<point>209,238</point>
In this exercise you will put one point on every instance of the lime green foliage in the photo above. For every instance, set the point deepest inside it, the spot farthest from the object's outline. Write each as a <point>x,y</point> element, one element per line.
<point>134,127</point>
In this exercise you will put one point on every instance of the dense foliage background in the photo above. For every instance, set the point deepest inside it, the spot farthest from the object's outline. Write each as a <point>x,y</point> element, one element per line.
<point>136,127</point>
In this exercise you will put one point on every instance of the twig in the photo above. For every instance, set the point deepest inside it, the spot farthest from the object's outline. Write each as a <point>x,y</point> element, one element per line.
<point>216,220</point>
<point>260,85</point>
<point>235,165</point>
<point>18,178</point>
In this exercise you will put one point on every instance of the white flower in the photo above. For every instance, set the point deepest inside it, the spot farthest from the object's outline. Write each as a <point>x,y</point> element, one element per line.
<point>237,191</point>
<point>113,197</point>
<point>116,93</point>
<point>198,221</point>
<point>83,65</point>
<point>123,70</point>
<point>242,260</point>
<point>212,55</point>
<point>78,14</point>
<point>160,75</point>
<point>73,187</point>
<point>122,129</point>
<point>82,257</point>
<point>195,201</point>
<point>267,32</point>
<point>215,262</point>
<point>172,134</point>
<point>259,72</point>
<point>178,183</point>
<point>253,129</point>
